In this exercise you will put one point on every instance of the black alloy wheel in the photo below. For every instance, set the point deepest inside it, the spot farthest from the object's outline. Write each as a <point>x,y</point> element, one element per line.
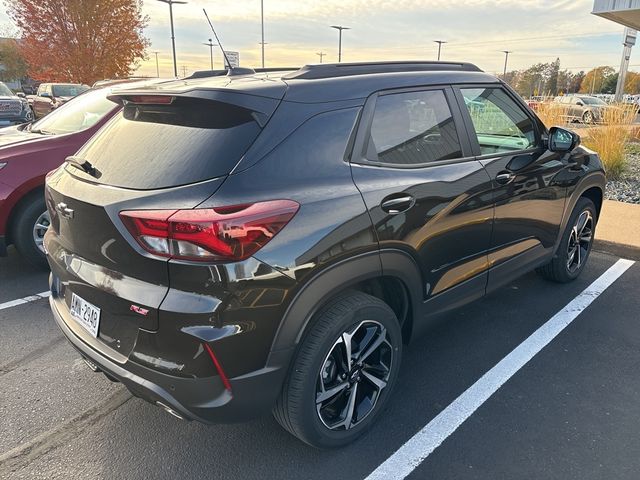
<point>343,373</point>
<point>579,243</point>
<point>575,245</point>
<point>353,375</point>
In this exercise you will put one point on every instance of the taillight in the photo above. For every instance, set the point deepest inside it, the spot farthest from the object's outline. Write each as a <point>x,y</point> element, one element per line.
<point>209,234</point>
<point>150,99</point>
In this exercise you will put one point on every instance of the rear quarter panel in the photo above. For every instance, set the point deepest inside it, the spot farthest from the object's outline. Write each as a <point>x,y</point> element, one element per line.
<point>332,224</point>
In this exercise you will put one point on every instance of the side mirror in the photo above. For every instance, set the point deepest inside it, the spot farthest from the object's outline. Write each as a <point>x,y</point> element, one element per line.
<point>580,104</point>
<point>21,95</point>
<point>45,95</point>
<point>562,140</point>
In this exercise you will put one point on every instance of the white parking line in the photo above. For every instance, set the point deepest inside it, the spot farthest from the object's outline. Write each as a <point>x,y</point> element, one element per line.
<point>419,447</point>
<point>22,301</point>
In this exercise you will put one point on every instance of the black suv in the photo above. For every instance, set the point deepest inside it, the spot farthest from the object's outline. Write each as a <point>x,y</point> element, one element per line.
<point>268,241</point>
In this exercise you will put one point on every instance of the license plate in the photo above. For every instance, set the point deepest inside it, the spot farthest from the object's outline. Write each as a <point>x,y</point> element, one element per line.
<point>86,314</point>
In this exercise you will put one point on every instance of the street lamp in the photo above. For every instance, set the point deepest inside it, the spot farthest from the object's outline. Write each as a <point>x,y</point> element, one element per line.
<point>340,28</point>
<point>439,42</point>
<point>211,45</point>
<point>171,3</point>
<point>157,67</point>
<point>506,59</point>
<point>321,54</point>
<point>262,29</point>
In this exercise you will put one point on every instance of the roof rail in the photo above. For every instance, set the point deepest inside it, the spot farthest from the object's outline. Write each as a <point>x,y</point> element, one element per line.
<point>327,70</point>
<point>239,71</point>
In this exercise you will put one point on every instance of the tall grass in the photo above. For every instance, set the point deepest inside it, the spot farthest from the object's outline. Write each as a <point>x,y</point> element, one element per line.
<point>552,114</point>
<point>608,137</point>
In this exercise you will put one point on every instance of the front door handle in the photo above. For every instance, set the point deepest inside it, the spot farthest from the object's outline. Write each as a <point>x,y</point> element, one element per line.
<point>398,204</point>
<point>504,177</point>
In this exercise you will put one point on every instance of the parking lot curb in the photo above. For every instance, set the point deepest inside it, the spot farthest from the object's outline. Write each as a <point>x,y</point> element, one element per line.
<point>618,230</point>
<point>621,250</point>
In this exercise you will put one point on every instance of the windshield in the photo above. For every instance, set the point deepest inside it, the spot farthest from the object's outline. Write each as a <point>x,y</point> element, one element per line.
<point>4,91</point>
<point>592,101</point>
<point>68,90</point>
<point>78,114</point>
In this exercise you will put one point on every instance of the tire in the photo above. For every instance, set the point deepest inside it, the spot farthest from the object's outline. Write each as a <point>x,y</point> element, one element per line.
<point>560,269</point>
<point>23,230</point>
<point>321,358</point>
<point>29,116</point>
<point>587,117</point>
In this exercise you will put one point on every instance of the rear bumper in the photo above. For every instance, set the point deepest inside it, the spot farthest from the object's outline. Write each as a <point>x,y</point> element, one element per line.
<point>202,399</point>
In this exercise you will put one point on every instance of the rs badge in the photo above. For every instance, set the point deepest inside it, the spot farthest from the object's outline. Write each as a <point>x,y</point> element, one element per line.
<point>140,310</point>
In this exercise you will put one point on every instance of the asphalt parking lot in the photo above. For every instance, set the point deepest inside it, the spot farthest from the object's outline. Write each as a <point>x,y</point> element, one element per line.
<point>572,411</point>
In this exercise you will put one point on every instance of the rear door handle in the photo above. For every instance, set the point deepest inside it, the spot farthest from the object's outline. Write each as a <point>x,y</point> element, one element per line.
<point>504,177</point>
<point>398,204</point>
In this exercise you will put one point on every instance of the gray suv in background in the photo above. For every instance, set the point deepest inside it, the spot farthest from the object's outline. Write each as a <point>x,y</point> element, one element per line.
<point>14,109</point>
<point>583,108</point>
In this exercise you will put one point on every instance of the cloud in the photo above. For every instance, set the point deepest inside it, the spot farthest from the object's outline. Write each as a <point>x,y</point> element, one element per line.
<point>476,31</point>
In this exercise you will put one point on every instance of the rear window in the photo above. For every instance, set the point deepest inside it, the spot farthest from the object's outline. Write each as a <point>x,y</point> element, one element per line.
<point>158,146</point>
<point>68,90</point>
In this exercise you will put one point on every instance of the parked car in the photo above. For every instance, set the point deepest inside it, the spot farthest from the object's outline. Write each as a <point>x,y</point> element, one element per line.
<point>30,88</point>
<point>633,100</point>
<point>582,108</point>
<point>27,153</point>
<point>228,246</point>
<point>14,108</point>
<point>52,95</point>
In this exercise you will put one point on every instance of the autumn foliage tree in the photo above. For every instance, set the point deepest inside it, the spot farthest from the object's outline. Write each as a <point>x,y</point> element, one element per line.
<point>80,40</point>
<point>595,80</point>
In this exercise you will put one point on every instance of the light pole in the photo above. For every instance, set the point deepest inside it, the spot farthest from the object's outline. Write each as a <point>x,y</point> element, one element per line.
<point>506,59</point>
<point>340,28</point>
<point>439,42</point>
<point>321,54</point>
<point>629,41</point>
<point>171,3</point>
<point>211,45</point>
<point>157,67</point>
<point>262,28</point>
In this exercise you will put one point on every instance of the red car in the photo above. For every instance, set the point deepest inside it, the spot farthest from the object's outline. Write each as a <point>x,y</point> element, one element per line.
<point>28,152</point>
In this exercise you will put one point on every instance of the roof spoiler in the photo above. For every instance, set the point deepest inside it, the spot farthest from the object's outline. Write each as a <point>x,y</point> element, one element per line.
<point>327,70</point>
<point>237,71</point>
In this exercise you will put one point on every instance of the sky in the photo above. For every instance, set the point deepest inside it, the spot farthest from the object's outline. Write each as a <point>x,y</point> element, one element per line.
<point>296,31</point>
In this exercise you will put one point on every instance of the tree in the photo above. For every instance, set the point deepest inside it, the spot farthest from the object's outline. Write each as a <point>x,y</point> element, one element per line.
<point>576,82</point>
<point>632,83</point>
<point>610,83</point>
<point>552,74</point>
<point>12,63</point>
<point>80,40</point>
<point>594,80</point>
<point>533,80</point>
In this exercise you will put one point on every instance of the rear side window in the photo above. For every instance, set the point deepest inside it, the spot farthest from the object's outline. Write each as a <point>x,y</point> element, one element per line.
<point>500,124</point>
<point>157,146</point>
<point>413,128</point>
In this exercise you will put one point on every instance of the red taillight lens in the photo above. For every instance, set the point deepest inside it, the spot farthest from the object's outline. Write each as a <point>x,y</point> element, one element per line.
<point>211,234</point>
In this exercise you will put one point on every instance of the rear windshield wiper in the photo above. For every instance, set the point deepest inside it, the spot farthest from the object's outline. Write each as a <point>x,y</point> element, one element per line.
<point>41,132</point>
<point>82,164</point>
